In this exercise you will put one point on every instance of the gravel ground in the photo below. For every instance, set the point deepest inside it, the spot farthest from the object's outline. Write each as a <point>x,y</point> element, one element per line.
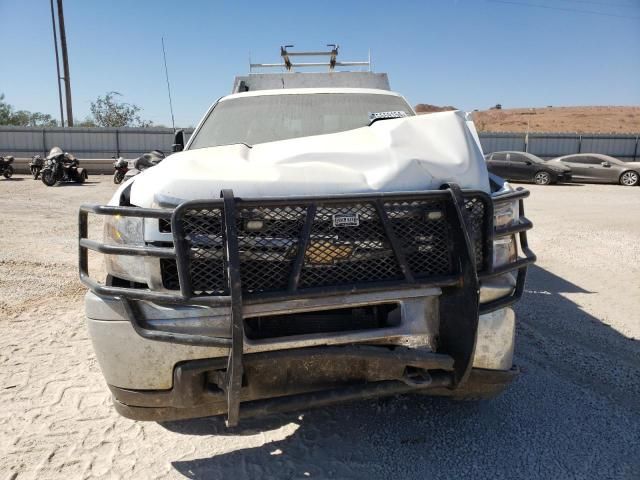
<point>574,412</point>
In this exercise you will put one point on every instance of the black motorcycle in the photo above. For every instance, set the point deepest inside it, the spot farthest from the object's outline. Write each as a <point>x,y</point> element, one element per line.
<point>62,167</point>
<point>36,165</point>
<point>122,167</point>
<point>148,160</point>
<point>145,161</point>
<point>5,166</point>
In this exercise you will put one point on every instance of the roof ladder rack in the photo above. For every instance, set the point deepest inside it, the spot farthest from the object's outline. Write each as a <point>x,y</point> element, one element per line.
<point>289,65</point>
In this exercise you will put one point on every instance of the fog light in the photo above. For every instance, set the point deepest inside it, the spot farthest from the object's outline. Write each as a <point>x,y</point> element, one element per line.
<point>253,225</point>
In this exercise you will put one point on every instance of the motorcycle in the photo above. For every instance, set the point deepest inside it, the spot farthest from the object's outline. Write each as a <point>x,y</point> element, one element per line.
<point>5,166</point>
<point>37,162</point>
<point>62,167</point>
<point>122,167</point>
<point>145,161</point>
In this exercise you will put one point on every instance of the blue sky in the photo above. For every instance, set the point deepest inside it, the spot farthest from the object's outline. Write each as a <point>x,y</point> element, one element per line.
<point>466,53</point>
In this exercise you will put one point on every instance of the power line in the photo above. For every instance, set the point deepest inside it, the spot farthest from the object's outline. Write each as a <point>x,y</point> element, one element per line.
<point>565,9</point>
<point>606,4</point>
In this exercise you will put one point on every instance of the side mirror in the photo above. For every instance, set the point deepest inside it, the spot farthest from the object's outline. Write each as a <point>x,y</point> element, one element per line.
<point>178,141</point>
<point>528,162</point>
<point>605,164</point>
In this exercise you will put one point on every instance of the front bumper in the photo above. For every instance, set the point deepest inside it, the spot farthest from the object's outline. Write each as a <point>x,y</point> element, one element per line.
<point>193,400</point>
<point>564,176</point>
<point>173,382</point>
<point>434,346</point>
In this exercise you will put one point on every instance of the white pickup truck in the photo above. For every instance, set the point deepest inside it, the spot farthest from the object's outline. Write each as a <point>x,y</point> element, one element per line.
<point>307,246</point>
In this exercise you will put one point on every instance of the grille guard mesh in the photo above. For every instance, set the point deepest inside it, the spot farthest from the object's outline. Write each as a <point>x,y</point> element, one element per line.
<point>293,247</point>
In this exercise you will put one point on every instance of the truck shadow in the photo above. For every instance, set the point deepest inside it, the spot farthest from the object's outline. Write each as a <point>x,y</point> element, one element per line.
<point>574,412</point>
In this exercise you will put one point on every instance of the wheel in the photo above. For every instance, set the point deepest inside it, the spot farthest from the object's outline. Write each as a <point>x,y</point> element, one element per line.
<point>8,171</point>
<point>82,177</point>
<point>118,177</point>
<point>36,173</point>
<point>629,178</point>
<point>542,178</point>
<point>48,178</point>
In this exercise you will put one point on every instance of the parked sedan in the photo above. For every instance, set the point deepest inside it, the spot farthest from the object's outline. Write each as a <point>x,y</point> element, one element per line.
<point>598,168</point>
<point>526,167</point>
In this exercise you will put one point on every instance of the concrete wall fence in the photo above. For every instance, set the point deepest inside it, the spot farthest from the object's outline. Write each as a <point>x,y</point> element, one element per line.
<point>551,145</point>
<point>95,146</point>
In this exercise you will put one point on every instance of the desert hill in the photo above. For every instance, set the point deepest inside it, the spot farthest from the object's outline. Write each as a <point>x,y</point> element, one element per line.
<point>594,119</point>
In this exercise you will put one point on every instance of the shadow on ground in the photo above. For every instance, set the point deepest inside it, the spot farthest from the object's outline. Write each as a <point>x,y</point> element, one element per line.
<point>574,413</point>
<point>551,185</point>
<point>76,184</point>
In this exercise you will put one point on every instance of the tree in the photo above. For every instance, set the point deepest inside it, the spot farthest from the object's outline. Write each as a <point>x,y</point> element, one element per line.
<point>23,118</point>
<point>87,122</point>
<point>107,111</point>
<point>5,111</point>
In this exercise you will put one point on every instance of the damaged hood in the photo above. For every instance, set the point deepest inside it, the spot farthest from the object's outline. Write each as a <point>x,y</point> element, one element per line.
<point>405,154</point>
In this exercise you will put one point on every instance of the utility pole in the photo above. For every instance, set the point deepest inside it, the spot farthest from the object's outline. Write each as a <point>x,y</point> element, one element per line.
<point>55,46</point>
<point>65,64</point>
<point>526,137</point>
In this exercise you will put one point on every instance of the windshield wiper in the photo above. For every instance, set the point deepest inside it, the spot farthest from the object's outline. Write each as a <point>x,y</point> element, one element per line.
<point>234,143</point>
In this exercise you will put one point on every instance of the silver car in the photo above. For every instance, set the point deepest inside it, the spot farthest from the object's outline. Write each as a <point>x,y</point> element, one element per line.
<point>598,168</point>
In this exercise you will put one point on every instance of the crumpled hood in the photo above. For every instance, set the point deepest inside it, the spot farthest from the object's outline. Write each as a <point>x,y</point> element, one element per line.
<point>406,154</point>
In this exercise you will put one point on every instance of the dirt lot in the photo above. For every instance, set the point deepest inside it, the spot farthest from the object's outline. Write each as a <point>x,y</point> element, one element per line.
<point>560,119</point>
<point>574,413</point>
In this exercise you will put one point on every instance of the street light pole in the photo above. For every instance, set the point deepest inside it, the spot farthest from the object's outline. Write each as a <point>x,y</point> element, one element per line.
<point>65,64</point>
<point>55,47</point>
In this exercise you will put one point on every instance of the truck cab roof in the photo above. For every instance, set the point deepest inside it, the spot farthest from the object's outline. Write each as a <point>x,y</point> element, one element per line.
<point>310,91</point>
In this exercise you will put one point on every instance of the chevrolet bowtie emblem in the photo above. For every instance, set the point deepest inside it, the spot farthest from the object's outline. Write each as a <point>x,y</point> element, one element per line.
<point>323,252</point>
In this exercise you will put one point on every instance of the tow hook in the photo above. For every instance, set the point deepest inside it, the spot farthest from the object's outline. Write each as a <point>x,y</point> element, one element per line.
<point>416,377</point>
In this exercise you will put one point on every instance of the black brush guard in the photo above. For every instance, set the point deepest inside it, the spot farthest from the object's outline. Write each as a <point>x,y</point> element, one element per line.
<point>471,257</point>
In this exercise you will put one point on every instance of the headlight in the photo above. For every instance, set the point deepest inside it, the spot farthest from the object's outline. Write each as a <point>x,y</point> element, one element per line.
<point>119,230</point>
<point>505,214</point>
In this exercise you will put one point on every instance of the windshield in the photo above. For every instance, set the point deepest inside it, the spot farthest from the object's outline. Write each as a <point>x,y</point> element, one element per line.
<point>269,118</point>
<point>54,152</point>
